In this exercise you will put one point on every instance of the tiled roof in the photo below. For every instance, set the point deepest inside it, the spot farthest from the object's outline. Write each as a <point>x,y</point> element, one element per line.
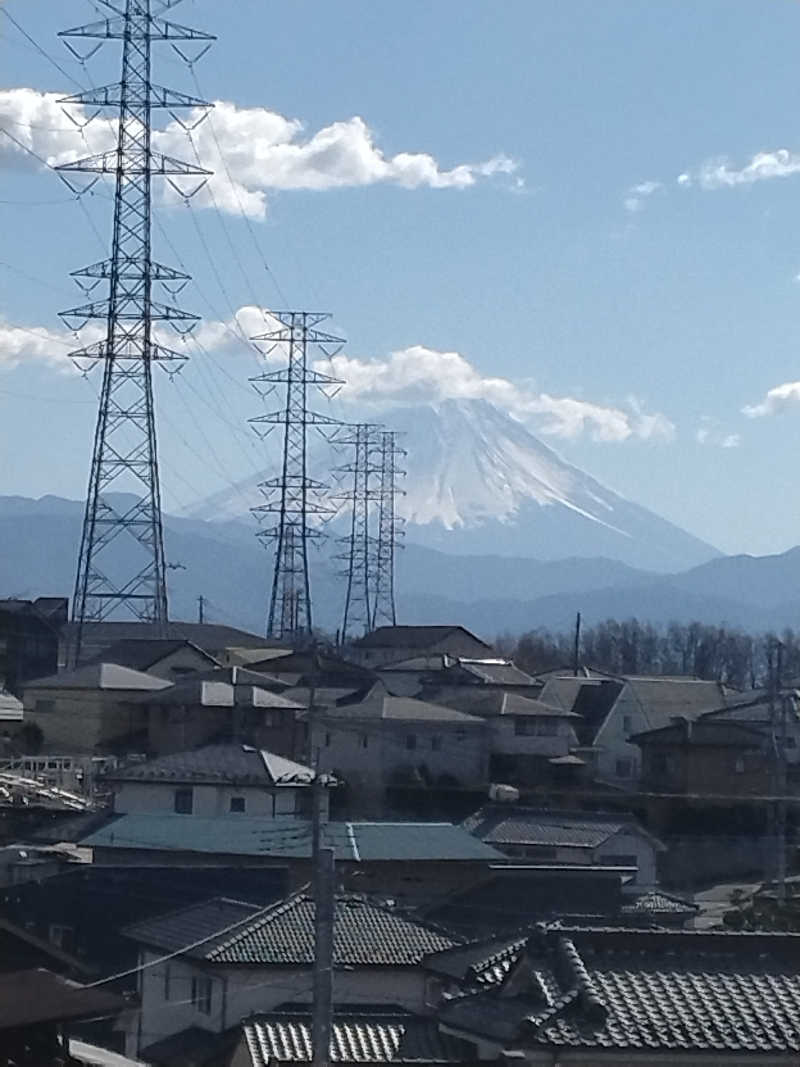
<point>288,837</point>
<point>210,636</point>
<point>656,903</point>
<point>412,636</point>
<point>703,732</point>
<point>378,704</point>
<point>187,926</point>
<point>506,824</point>
<point>216,691</point>
<point>657,991</point>
<point>662,699</point>
<point>496,672</point>
<point>359,1036</point>
<point>10,707</point>
<point>140,653</point>
<point>37,996</point>
<point>482,963</point>
<point>365,934</point>
<point>229,764</point>
<point>100,676</point>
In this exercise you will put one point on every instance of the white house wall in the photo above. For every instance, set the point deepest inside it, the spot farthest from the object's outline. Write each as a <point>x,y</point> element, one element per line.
<point>137,798</point>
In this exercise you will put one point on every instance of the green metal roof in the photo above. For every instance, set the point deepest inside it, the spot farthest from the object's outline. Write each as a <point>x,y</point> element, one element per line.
<point>290,838</point>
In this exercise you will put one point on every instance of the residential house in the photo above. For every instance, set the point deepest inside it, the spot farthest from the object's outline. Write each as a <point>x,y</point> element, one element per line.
<point>231,703</point>
<point>707,756</point>
<point>377,1035</point>
<point>779,717</point>
<point>382,742</point>
<point>242,960</point>
<point>11,709</point>
<point>170,658</point>
<point>527,738</point>
<point>218,641</point>
<point>214,780</point>
<point>29,631</point>
<point>95,708</point>
<point>605,839</point>
<point>411,862</point>
<point>636,998</point>
<point>388,644</point>
<point>320,669</point>
<point>445,675</point>
<point>612,711</point>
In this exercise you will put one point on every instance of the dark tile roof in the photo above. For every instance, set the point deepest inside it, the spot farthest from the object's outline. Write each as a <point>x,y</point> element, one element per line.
<point>365,934</point>
<point>105,675</point>
<point>201,924</point>
<point>703,732</point>
<point>510,824</point>
<point>229,764</point>
<point>28,998</point>
<point>412,636</point>
<point>217,692</point>
<point>360,1035</point>
<point>497,672</point>
<point>657,991</point>
<point>140,653</point>
<point>478,964</point>
<point>288,837</point>
<point>192,1047</point>
<point>209,636</point>
<point>656,903</point>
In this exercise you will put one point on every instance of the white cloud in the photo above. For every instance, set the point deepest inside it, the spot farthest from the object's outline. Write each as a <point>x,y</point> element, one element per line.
<point>721,174</point>
<point>711,432</point>
<point>261,150</point>
<point>412,375</point>
<point>637,194</point>
<point>778,400</point>
<point>419,374</point>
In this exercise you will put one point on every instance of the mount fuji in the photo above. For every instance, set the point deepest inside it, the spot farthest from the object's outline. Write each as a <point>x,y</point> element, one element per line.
<point>479,482</point>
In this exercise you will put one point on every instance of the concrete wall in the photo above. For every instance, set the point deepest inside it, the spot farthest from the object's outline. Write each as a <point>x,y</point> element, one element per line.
<point>135,798</point>
<point>543,736</point>
<point>370,754</point>
<point>238,991</point>
<point>83,721</point>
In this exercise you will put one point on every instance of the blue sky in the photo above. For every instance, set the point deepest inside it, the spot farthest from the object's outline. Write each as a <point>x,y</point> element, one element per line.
<point>601,209</point>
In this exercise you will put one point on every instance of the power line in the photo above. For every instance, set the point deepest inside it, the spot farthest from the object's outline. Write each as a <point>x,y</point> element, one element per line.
<point>43,52</point>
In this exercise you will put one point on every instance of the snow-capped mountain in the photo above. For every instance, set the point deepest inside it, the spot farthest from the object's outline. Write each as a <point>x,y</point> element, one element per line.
<point>478,481</point>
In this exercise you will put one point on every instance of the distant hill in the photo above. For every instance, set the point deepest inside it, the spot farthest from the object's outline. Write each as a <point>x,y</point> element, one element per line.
<point>224,562</point>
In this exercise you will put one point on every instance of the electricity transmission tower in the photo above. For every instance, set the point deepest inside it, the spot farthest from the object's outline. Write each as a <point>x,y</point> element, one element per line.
<point>124,457</point>
<point>296,499</point>
<point>381,559</point>
<point>362,439</point>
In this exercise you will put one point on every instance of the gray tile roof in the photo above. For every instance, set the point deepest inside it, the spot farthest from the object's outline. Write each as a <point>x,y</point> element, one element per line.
<point>703,732</point>
<point>218,692</point>
<point>140,653</point>
<point>497,672</point>
<point>412,636</point>
<point>365,934</point>
<point>656,903</point>
<point>229,764</point>
<point>201,925</point>
<point>10,707</point>
<point>100,676</point>
<point>359,1036</point>
<point>506,824</point>
<point>288,837</point>
<point>378,704</point>
<point>657,991</point>
<point>209,636</point>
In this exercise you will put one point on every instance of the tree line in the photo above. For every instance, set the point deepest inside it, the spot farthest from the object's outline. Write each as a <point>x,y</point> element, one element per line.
<point>695,649</point>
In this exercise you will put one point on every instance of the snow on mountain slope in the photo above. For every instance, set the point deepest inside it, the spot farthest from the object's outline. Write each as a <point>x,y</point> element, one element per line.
<point>479,482</point>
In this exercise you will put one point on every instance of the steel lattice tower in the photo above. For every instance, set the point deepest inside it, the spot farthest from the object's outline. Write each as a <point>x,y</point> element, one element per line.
<point>381,575</point>
<point>124,455</point>
<point>293,496</point>
<point>357,605</point>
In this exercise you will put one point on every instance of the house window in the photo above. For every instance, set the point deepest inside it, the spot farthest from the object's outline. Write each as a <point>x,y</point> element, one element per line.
<point>547,727</point>
<point>624,768</point>
<point>45,705</point>
<point>411,742</point>
<point>237,805</point>
<point>627,724</point>
<point>436,744</point>
<point>201,995</point>
<point>521,727</point>
<point>184,801</point>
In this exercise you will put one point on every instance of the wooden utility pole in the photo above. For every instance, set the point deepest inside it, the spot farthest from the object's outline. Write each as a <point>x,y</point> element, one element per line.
<point>201,609</point>
<point>576,652</point>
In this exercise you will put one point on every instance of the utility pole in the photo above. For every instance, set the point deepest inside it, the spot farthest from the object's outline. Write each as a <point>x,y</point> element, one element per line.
<point>323,891</point>
<point>125,456</point>
<point>384,609</point>
<point>778,777</point>
<point>201,609</point>
<point>294,497</point>
<point>576,651</point>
